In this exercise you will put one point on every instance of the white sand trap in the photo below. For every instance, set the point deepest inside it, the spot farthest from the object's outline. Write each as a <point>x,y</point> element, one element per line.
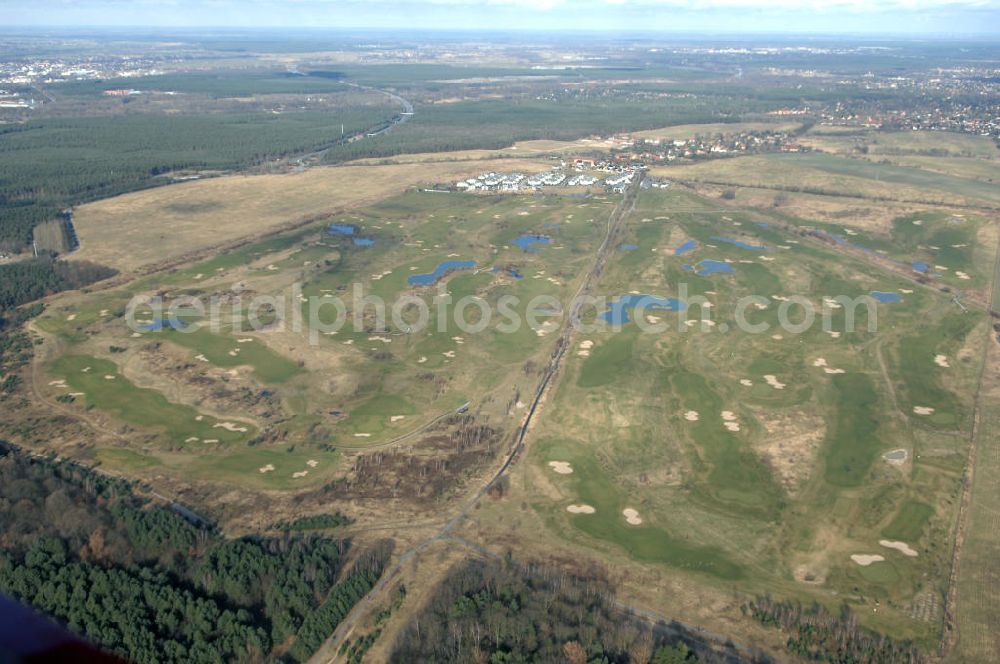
<point>653,320</point>
<point>199,418</point>
<point>210,440</point>
<point>244,341</point>
<point>819,362</point>
<point>312,463</point>
<point>198,276</point>
<point>746,382</point>
<point>349,342</point>
<point>78,394</point>
<point>731,426</point>
<point>396,418</point>
<point>941,360</point>
<point>266,469</point>
<point>583,353</point>
<point>691,416</point>
<point>728,416</point>
<point>109,377</point>
<point>230,426</point>
<point>865,559</point>
<point>777,337</point>
<point>136,334</point>
<point>201,358</point>
<point>941,267</point>
<point>192,439</point>
<point>85,370</point>
<point>301,473</point>
<point>71,317</point>
<point>902,547</point>
<point>831,370</point>
<point>834,335</point>
<point>449,353</point>
<point>759,306</point>
<point>104,312</point>
<point>773,381</point>
<point>586,345</point>
<point>632,516</point>
<point>233,353</point>
<point>561,467</point>
<point>546,327</point>
<point>832,304</point>
<point>272,267</point>
<point>961,275</point>
<point>422,359</point>
<point>58,383</point>
<point>385,340</point>
<point>918,222</point>
<point>362,435</point>
<point>767,258</point>
<point>580,509</point>
<point>906,291</point>
<point>923,410</point>
<point>779,298</point>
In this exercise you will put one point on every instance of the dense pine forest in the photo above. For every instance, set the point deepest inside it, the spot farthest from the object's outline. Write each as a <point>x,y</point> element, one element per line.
<point>143,582</point>
<point>500,612</point>
<point>30,280</point>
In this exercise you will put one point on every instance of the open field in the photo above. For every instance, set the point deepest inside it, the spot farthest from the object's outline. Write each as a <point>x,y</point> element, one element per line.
<point>120,232</point>
<point>765,450</point>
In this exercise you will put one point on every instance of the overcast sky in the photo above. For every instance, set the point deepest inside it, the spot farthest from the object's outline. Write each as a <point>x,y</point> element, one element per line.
<point>914,17</point>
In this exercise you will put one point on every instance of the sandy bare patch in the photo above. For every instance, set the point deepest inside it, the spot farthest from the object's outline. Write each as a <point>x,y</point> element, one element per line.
<point>773,381</point>
<point>691,416</point>
<point>790,447</point>
<point>266,469</point>
<point>941,360</point>
<point>902,547</point>
<point>923,410</point>
<point>561,467</point>
<point>230,426</point>
<point>866,559</point>
<point>580,509</point>
<point>632,516</point>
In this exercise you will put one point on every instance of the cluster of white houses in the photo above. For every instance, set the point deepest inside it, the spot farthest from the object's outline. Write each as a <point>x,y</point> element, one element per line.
<point>520,182</point>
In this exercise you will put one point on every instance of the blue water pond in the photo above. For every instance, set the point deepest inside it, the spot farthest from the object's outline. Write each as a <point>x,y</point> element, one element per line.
<point>363,241</point>
<point>886,298</point>
<point>686,247</point>
<point>439,271</point>
<point>627,247</point>
<point>708,267</point>
<point>532,242</point>
<point>159,324</point>
<point>617,313</point>
<point>341,229</point>
<point>508,271</point>
<point>920,266</point>
<point>739,243</point>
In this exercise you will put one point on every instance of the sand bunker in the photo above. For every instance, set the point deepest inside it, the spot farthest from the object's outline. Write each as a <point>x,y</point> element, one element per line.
<point>746,382</point>
<point>191,439</point>
<point>923,410</point>
<point>941,360</point>
<point>301,473</point>
<point>266,469</point>
<point>728,415</point>
<point>396,418</point>
<point>865,560</point>
<point>691,416</point>
<point>777,337</point>
<point>831,370</point>
<point>586,345</point>
<point>362,435</point>
<point>229,426</point>
<point>210,440</point>
<point>580,509</point>
<point>201,358</point>
<point>774,382</point>
<point>109,377</point>
<point>902,547</point>
<point>71,317</point>
<point>449,353</point>
<point>561,467</point>
<point>312,463</point>
<point>962,275</point>
<point>632,516</point>
<point>731,426</point>
<point>819,362</point>
<point>244,341</point>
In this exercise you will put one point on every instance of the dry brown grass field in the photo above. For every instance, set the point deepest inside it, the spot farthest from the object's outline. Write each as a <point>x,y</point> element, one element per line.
<point>147,227</point>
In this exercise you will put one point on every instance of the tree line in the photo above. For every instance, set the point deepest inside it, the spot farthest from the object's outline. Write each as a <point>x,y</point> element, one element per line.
<point>140,580</point>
